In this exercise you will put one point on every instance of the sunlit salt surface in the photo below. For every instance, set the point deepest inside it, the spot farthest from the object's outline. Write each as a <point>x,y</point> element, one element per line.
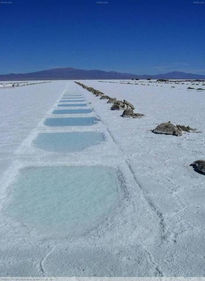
<point>72,111</point>
<point>67,142</point>
<point>81,121</point>
<point>74,104</point>
<point>63,200</point>
<point>70,100</point>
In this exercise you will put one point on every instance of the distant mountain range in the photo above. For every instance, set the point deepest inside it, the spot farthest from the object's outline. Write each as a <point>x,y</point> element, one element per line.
<point>69,73</point>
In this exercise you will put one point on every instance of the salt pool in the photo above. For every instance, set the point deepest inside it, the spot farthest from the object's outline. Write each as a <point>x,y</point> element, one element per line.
<point>72,121</point>
<point>72,96</point>
<point>74,104</point>
<point>63,201</point>
<point>66,100</point>
<point>72,111</point>
<point>67,142</point>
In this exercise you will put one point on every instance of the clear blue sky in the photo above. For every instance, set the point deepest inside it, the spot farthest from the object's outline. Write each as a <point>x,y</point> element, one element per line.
<point>137,36</point>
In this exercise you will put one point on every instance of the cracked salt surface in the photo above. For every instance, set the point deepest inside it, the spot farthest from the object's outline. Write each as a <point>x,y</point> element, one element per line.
<point>157,227</point>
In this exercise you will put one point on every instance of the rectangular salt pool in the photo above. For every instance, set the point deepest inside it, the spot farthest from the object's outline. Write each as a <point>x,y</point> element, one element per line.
<point>72,111</point>
<point>63,201</point>
<point>74,104</point>
<point>72,97</point>
<point>67,142</point>
<point>72,121</point>
<point>72,100</point>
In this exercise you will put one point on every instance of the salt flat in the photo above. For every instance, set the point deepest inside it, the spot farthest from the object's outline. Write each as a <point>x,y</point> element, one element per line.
<point>20,111</point>
<point>156,229</point>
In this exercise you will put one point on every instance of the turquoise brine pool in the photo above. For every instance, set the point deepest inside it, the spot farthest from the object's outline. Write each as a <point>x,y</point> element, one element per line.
<point>72,111</point>
<point>67,142</point>
<point>73,105</point>
<point>72,96</point>
<point>63,201</point>
<point>78,121</point>
<point>66,100</point>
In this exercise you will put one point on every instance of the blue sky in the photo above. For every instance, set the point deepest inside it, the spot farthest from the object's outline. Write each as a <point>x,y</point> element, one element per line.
<point>136,36</point>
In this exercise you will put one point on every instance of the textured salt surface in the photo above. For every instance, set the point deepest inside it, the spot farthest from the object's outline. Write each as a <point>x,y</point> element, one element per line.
<point>20,112</point>
<point>67,142</point>
<point>78,121</point>
<point>158,228</point>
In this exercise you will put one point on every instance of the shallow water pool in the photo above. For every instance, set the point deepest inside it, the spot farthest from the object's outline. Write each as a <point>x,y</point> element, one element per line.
<point>72,96</point>
<point>74,104</point>
<point>63,201</point>
<point>72,111</point>
<point>67,142</point>
<point>66,100</point>
<point>72,121</point>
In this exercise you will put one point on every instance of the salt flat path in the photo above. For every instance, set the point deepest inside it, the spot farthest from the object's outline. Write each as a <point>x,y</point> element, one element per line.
<point>21,109</point>
<point>158,227</point>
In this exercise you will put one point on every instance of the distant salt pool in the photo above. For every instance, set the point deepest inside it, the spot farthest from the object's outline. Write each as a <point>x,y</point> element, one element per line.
<point>81,121</point>
<point>67,142</point>
<point>72,96</point>
<point>72,111</point>
<point>74,104</point>
<point>71,100</point>
<point>63,201</point>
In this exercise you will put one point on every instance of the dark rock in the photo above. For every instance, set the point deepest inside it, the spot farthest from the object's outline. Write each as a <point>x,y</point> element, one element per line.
<point>120,103</point>
<point>199,166</point>
<point>98,93</point>
<point>162,80</point>
<point>112,100</point>
<point>137,115</point>
<point>127,112</point>
<point>167,129</point>
<point>115,106</point>
<point>128,104</point>
<point>104,97</point>
<point>89,89</point>
<point>185,128</point>
<point>130,113</point>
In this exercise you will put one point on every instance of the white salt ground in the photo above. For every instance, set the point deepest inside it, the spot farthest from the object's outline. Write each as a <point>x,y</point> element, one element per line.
<point>157,229</point>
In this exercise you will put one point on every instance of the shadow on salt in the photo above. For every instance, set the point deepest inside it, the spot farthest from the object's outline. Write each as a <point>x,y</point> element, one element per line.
<point>63,201</point>
<point>67,142</point>
<point>78,121</point>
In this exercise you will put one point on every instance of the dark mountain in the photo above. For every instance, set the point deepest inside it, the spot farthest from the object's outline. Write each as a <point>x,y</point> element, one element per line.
<point>67,73</point>
<point>178,75</point>
<point>73,73</point>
